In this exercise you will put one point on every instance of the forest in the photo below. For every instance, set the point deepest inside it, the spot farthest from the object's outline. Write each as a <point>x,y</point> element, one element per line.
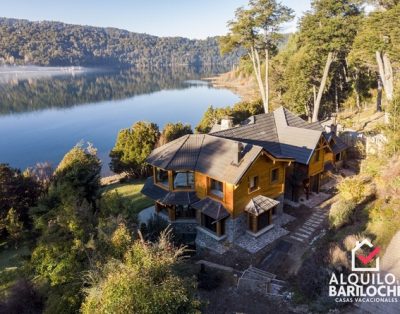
<point>344,54</point>
<point>83,250</point>
<point>57,44</point>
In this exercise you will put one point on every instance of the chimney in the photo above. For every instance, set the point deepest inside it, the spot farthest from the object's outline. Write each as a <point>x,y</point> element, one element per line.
<point>239,153</point>
<point>334,123</point>
<point>226,123</point>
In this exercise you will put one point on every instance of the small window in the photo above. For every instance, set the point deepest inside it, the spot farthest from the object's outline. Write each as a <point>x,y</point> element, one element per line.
<point>162,176</point>
<point>275,175</point>
<point>216,188</point>
<point>253,183</point>
<point>183,180</point>
<point>337,157</point>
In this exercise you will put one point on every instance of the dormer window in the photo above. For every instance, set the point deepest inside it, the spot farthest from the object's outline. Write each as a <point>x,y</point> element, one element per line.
<point>216,188</point>
<point>161,177</point>
<point>183,180</point>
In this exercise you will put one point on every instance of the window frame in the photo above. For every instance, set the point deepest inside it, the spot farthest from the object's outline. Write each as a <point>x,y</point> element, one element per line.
<point>185,188</point>
<point>210,189</point>
<point>272,181</point>
<point>256,184</point>
<point>161,183</point>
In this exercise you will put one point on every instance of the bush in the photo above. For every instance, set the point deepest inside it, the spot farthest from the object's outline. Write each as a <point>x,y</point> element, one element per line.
<point>341,212</point>
<point>144,282</point>
<point>352,189</point>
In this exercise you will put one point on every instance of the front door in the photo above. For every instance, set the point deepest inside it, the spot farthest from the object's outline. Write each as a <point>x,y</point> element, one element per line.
<point>314,180</point>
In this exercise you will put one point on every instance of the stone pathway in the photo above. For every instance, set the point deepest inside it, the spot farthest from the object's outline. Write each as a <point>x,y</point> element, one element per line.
<point>303,233</point>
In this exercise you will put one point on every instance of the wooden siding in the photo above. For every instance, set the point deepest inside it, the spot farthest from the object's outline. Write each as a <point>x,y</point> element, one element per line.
<point>262,168</point>
<point>315,166</point>
<point>202,190</point>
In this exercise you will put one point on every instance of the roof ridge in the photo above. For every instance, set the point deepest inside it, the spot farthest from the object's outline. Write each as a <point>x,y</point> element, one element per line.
<point>176,151</point>
<point>198,153</point>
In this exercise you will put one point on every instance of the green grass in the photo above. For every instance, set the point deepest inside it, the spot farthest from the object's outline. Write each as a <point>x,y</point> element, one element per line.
<point>130,192</point>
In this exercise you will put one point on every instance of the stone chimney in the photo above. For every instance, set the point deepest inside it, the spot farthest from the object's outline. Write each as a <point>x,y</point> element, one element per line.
<point>226,123</point>
<point>238,153</point>
<point>334,123</point>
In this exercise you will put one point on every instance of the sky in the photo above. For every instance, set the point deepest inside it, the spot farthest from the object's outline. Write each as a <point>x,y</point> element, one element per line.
<point>188,18</point>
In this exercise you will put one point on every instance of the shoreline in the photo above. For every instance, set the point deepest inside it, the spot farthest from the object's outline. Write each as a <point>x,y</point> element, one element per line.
<point>241,85</point>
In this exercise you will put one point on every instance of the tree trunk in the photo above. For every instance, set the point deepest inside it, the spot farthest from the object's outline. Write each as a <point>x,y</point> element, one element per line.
<point>385,73</point>
<point>255,59</point>
<point>336,98</point>
<point>266,104</point>
<point>379,96</point>
<point>322,87</point>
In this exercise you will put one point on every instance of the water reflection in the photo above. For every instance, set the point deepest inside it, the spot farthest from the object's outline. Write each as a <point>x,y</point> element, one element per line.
<point>41,119</point>
<point>97,85</point>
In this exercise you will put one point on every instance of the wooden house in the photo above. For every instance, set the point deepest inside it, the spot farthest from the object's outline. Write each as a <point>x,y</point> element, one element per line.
<point>285,135</point>
<point>221,187</point>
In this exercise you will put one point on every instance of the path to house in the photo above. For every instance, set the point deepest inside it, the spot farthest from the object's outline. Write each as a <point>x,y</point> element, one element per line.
<point>312,225</point>
<point>286,257</point>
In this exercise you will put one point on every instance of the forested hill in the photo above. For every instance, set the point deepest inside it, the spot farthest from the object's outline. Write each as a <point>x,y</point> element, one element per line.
<point>55,43</point>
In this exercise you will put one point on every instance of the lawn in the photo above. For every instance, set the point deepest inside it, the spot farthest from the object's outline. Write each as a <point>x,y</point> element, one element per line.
<point>130,192</point>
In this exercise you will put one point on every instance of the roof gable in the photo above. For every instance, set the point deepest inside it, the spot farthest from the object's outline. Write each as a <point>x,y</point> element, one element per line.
<point>211,155</point>
<point>281,133</point>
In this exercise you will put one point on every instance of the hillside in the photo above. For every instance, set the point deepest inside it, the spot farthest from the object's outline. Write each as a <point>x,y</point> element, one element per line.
<point>59,44</point>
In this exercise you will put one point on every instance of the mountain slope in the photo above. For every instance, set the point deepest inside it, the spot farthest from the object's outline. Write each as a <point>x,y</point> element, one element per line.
<point>55,43</point>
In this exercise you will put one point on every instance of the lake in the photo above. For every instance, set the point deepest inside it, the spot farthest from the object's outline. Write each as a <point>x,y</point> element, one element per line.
<point>43,118</point>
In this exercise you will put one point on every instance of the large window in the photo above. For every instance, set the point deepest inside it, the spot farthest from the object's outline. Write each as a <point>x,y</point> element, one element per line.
<point>257,223</point>
<point>275,175</point>
<point>185,212</point>
<point>209,223</point>
<point>162,177</point>
<point>213,225</point>
<point>184,180</point>
<point>253,184</point>
<point>217,188</point>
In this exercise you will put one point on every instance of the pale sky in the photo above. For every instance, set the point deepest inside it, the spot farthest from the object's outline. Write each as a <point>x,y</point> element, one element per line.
<point>187,18</point>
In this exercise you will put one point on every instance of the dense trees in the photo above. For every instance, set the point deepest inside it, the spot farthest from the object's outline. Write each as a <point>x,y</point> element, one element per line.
<point>133,145</point>
<point>142,282</point>
<point>173,131</point>
<point>238,112</point>
<point>256,30</point>
<point>18,192</point>
<point>340,56</point>
<point>54,43</point>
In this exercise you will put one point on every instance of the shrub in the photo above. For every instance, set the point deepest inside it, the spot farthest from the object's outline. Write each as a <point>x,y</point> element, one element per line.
<point>143,283</point>
<point>352,189</point>
<point>341,212</point>
<point>384,221</point>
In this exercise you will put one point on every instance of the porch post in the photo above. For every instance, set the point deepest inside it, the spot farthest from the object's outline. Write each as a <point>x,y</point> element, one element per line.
<point>171,213</point>
<point>219,229</point>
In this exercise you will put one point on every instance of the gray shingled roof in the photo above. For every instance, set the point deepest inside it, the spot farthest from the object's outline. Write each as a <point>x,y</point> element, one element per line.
<point>158,194</point>
<point>211,208</point>
<point>211,155</point>
<point>153,191</point>
<point>260,204</point>
<point>281,133</point>
<point>336,143</point>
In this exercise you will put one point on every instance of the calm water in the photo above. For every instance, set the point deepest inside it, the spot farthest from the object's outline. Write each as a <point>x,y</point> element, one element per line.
<point>41,119</point>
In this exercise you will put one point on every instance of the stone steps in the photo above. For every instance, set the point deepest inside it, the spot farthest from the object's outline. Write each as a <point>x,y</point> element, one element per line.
<point>257,280</point>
